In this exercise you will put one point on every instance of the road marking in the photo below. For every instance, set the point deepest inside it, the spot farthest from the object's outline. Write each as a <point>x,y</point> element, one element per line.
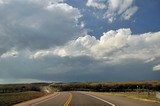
<point>99,99</point>
<point>46,99</point>
<point>68,100</point>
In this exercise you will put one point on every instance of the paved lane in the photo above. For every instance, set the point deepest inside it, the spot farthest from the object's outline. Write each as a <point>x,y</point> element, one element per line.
<point>81,99</point>
<point>57,99</point>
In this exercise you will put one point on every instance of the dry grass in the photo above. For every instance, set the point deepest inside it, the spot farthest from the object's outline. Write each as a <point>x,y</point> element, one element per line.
<point>7,99</point>
<point>147,96</point>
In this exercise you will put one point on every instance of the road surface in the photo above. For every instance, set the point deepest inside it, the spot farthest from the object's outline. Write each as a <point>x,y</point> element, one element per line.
<point>77,98</point>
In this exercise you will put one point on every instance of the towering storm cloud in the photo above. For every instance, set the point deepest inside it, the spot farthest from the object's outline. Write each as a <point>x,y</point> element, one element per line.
<point>56,40</point>
<point>35,24</point>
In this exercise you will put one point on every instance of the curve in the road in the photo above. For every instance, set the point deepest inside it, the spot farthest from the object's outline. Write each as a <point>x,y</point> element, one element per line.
<point>80,98</point>
<point>68,100</point>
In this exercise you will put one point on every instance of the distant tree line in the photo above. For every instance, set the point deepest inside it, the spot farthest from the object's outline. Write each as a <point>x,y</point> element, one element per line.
<point>109,87</point>
<point>84,86</point>
<point>10,88</point>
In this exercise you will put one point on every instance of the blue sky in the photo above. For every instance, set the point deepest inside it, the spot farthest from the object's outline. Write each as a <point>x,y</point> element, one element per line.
<point>146,19</point>
<point>79,40</point>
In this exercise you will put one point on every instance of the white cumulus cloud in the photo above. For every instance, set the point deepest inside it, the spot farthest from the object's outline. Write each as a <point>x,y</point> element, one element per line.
<point>114,9</point>
<point>37,24</point>
<point>117,53</point>
<point>12,53</point>
<point>156,67</point>
<point>45,40</point>
<point>112,45</point>
<point>96,4</point>
<point>129,12</point>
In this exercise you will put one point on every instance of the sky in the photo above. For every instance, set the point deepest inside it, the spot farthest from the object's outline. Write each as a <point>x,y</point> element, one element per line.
<point>79,40</point>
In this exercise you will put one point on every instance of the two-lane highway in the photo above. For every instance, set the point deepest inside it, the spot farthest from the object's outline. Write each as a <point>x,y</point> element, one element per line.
<point>77,98</point>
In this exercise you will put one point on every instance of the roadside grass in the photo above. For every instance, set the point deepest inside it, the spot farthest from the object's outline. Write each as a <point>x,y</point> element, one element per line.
<point>146,96</point>
<point>8,99</point>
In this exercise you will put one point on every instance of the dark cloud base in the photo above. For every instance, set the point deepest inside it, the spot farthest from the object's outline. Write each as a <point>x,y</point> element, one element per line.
<point>71,69</point>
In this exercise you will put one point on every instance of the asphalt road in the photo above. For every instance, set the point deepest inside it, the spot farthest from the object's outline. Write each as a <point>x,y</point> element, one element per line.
<point>85,99</point>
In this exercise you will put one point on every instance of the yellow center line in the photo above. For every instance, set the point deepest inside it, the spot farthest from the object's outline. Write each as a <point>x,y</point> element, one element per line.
<point>68,100</point>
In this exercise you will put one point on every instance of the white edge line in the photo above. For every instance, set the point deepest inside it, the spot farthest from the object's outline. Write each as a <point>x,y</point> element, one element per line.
<point>45,99</point>
<point>99,99</point>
